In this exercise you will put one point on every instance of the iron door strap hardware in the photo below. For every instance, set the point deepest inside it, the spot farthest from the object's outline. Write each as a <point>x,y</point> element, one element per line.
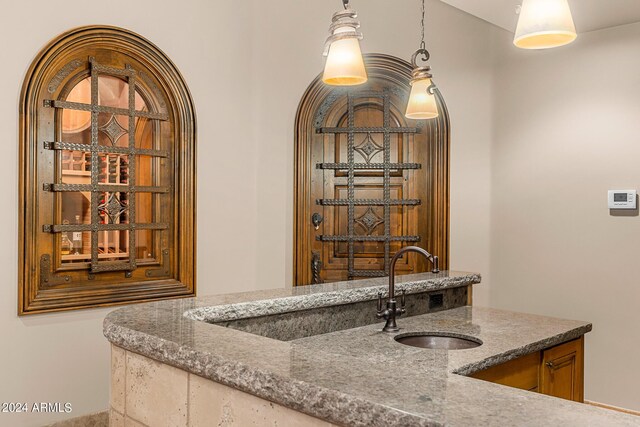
<point>381,129</point>
<point>64,228</point>
<point>62,74</point>
<point>360,238</point>
<point>112,188</point>
<point>369,202</point>
<point>368,166</point>
<point>366,149</point>
<point>163,271</point>
<point>316,266</point>
<point>57,145</point>
<point>47,278</point>
<point>316,220</point>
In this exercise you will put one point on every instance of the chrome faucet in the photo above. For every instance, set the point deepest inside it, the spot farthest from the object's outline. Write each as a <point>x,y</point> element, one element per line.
<point>392,307</point>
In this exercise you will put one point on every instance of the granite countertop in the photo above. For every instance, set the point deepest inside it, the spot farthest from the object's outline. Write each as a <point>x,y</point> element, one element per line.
<point>361,376</point>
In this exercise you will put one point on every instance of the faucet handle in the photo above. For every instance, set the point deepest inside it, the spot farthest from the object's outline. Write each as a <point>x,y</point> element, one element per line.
<point>436,266</point>
<point>382,313</point>
<point>403,301</point>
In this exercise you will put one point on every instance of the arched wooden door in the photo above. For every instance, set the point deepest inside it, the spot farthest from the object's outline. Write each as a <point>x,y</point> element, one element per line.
<point>368,180</point>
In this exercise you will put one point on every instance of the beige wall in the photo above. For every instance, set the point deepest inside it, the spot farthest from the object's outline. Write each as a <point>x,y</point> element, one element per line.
<point>286,59</point>
<point>64,357</point>
<point>529,129</point>
<point>247,65</point>
<point>568,130</point>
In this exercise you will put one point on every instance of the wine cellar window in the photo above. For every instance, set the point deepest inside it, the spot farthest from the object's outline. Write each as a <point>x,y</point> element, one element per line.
<point>107,178</point>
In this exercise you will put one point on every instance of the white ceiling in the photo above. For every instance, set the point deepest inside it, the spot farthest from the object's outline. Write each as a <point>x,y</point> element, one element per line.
<point>589,15</point>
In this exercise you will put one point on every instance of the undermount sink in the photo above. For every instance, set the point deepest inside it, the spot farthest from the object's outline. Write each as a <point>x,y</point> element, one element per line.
<point>438,341</point>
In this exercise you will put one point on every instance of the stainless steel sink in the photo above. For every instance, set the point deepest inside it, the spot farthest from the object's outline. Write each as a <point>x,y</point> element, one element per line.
<point>438,341</point>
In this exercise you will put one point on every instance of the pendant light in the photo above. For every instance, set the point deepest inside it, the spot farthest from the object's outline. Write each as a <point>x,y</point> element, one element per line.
<point>344,65</point>
<point>422,100</point>
<point>544,24</point>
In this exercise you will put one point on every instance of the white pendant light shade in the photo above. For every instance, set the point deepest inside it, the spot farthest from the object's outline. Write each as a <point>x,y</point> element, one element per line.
<point>344,65</point>
<point>422,103</point>
<point>544,24</point>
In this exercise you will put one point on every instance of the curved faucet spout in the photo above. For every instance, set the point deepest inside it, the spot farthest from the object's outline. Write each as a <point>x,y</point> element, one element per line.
<point>392,311</point>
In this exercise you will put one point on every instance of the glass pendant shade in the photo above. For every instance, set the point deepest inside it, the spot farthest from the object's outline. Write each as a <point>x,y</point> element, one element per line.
<point>422,104</point>
<point>544,24</point>
<point>344,65</point>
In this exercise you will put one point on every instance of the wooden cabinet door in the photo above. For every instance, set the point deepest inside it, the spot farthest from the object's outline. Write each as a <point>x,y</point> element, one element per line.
<point>562,371</point>
<point>368,180</point>
<point>522,373</point>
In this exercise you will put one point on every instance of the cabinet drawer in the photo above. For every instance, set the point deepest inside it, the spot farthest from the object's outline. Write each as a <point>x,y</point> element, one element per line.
<point>522,373</point>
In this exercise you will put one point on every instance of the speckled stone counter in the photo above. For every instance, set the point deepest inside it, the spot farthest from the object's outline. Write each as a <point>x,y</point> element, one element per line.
<point>360,376</point>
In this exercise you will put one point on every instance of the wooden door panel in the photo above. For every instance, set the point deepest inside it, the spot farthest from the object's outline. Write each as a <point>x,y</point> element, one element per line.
<point>368,220</point>
<point>378,180</point>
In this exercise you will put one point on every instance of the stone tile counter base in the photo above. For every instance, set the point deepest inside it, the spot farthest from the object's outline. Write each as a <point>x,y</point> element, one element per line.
<point>147,393</point>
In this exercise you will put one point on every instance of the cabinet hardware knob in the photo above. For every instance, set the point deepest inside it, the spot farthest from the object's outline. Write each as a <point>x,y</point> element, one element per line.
<point>549,364</point>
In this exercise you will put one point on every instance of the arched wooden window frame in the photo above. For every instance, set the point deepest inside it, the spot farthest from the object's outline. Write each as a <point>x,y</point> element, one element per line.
<point>45,287</point>
<point>398,72</point>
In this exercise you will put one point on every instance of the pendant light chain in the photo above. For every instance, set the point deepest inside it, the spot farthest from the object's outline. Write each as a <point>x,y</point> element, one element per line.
<point>422,104</point>
<point>423,45</point>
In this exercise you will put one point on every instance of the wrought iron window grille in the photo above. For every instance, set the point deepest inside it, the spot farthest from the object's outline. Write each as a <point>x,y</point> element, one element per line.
<point>112,208</point>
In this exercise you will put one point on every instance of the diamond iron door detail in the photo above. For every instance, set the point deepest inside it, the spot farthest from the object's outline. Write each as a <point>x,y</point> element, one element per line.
<point>113,129</point>
<point>369,221</point>
<point>113,207</point>
<point>368,148</point>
